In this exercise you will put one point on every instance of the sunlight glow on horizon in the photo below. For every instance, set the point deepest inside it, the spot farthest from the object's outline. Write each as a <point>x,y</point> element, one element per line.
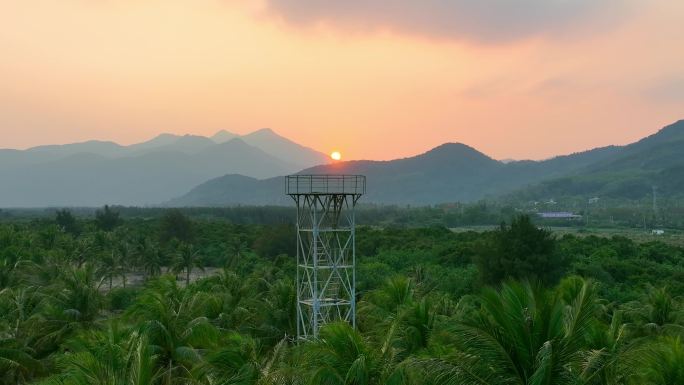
<point>335,155</point>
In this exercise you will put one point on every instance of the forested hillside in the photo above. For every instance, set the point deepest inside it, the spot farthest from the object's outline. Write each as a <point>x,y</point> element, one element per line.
<point>455,172</point>
<point>172,299</point>
<point>632,173</point>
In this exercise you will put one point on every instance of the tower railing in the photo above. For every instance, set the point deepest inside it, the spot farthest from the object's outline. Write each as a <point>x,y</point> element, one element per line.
<point>325,184</point>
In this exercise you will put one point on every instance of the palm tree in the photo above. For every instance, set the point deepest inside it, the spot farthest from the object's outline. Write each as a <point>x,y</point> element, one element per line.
<point>383,304</point>
<point>17,358</point>
<point>82,252</point>
<point>70,305</point>
<point>110,266</point>
<point>11,258</point>
<point>663,366</point>
<point>417,323</point>
<point>401,324</point>
<point>149,256</point>
<point>124,256</point>
<point>236,247</point>
<point>234,300</point>
<point>341,356</point>
<point>658,312</point>
<point>238,361</point>
<point>116,356</point>
<point>17,364</point>
<point>186,259</point>
<point>614,357</point>
<point>18,306</point>
<point>174,320</point>
<point>523,334</point>
<point>235,362</point>
<point>280,305</point>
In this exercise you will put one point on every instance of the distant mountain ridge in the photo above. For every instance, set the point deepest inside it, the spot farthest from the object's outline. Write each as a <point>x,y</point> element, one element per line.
<point>265,139</point>
<point>93,173</point>
<point>227,169</point>
<point>631,172</point>
<point>456,172</point>
<point>287,150</point>
<point>223,136</point>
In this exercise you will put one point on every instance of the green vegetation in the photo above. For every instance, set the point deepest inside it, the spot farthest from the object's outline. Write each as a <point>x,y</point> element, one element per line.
<point>179,297</point>
<point>521,251</point>
<point>622,216</point>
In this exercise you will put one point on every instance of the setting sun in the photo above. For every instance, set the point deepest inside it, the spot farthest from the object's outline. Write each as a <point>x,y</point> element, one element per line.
<point>336,155</point>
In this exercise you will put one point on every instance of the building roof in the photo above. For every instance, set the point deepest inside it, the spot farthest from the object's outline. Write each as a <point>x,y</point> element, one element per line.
<point>559,214</point>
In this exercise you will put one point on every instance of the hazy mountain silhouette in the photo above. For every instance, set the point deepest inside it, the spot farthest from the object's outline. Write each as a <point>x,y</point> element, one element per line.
<point>188,144</point>
<point>156,142</point>
<point>223,136</point>
<point>39,154</point>
<point>456,172</point>
<point>93,173</point>
<point>283,148</point>
<point>91,146</point>
<point>235,189</point>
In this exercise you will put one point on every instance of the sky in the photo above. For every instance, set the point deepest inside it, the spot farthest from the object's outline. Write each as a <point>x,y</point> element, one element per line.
<point>374,79</point>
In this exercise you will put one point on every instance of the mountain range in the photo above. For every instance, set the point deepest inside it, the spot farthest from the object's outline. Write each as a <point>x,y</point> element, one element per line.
<point>229,169</point>
<point>94,173</point>
<point>455,172</point>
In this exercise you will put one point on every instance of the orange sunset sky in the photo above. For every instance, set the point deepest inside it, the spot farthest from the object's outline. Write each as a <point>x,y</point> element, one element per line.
<point>376,79</point>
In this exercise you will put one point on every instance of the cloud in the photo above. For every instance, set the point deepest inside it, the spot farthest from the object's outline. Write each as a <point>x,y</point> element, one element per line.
<point>479,20</point>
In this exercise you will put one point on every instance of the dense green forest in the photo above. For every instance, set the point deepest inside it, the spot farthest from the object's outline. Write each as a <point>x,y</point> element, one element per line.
<point>604,213</point>
<point>178,297</point>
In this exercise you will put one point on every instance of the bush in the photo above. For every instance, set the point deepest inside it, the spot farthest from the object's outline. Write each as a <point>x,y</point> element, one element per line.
<point>521,251</point>
<point>118,299</point>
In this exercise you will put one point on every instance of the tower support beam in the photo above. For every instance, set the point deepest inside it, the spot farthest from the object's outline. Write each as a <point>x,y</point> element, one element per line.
<point>326,255</point>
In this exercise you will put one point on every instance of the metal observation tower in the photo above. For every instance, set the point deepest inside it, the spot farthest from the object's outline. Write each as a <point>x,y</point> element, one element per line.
<point>326,255</point>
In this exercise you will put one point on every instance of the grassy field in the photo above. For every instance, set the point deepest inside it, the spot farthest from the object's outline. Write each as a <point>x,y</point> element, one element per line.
<point>672,237</point>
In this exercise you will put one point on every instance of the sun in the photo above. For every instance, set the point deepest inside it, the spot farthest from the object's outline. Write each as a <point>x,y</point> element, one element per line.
<point>336,155</point>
